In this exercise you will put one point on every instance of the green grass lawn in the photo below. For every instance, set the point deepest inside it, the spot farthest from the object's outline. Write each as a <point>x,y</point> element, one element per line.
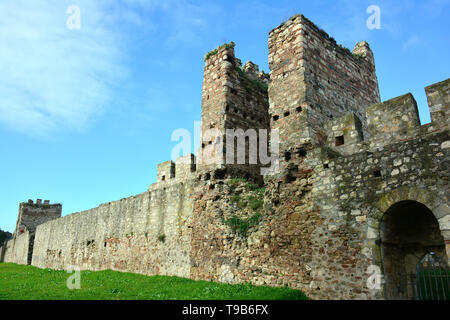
<point>18,282</point>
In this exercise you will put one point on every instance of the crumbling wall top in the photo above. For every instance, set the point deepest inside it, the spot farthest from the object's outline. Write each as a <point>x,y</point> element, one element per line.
<point>438,96</point>
<point>229,47</point>
<point>361,49</point>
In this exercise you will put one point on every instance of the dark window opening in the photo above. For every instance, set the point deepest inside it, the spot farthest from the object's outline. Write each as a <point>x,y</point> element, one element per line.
<point>299,109</point>
<point>339,141</point>
<point>233,91</point>
<point>377,173</point>
<point>227,108</point>
<point>203,145</point>
<point>286,114</point>
<point>211,187</point>
<point>210,142</point>
<point>287,156</point>
<point>219,174</point>
<point>290,178</point>
<point>207,98</point>
<point>207,176</point>
<point>163,178</point>
<point>105,244</point>
<point>301,152</point>
<point>326,166</point>
<point>275,118</point>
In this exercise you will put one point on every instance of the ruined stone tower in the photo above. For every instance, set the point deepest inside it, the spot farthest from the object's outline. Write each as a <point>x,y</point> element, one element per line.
<point>31,215</point>
<point>314,80</point>
<point>362,189</point>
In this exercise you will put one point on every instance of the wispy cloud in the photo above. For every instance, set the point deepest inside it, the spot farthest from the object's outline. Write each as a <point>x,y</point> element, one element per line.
<point>54,78</point>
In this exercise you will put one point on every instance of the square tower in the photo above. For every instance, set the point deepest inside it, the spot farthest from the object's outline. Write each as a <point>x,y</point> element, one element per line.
<point>33,214</point>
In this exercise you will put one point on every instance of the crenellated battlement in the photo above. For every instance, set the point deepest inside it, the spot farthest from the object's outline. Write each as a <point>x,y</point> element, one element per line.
<point>183,168</point>
<point>344,132</point>
<point>438,96</point>
<point>39,202</point>
<point>392,121</point>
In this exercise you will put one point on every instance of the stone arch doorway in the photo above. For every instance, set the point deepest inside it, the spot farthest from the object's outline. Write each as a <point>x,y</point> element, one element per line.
<point>408,231</point>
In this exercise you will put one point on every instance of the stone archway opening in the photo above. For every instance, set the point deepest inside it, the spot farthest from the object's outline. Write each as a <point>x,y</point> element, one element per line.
<point>408,231</point>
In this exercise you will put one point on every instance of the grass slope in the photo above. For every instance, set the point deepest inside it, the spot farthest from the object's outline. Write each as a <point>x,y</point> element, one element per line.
<point>18,282</point>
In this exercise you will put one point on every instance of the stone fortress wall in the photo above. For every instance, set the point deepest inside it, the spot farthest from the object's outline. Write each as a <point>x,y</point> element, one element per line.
<point>31,215</point>
<point>361,184</point>
<point>323,217</point>
<point>16,250</point>
<point>145,234</point>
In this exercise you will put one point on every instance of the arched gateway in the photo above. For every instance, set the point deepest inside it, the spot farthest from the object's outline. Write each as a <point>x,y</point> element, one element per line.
<point>409,231</point>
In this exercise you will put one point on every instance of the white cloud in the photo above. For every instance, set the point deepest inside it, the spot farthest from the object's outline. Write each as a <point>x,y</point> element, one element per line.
<point>54,78</point>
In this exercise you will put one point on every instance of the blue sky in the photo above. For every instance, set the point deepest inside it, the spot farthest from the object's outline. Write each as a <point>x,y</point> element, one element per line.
<point>87,114</point>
